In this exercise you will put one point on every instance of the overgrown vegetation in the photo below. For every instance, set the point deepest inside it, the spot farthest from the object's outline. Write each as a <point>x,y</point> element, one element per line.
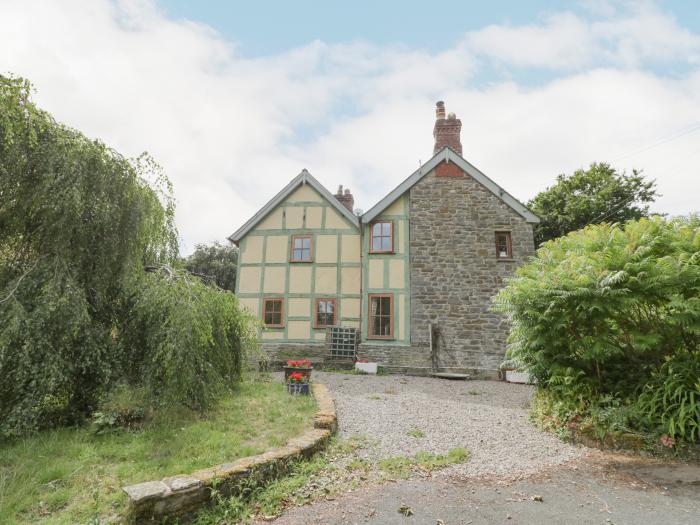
<point>607,319</point>
<point>598,194</point>
<point>79,224</point>
<point>72,475</point>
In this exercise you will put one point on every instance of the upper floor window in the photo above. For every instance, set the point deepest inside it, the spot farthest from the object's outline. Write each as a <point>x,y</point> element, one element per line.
<point>504,245</point>
<point>325,312</point>
<point>381,316</point>
<point>381,237</point>
<point>301,248</point>
<point>273,312</point>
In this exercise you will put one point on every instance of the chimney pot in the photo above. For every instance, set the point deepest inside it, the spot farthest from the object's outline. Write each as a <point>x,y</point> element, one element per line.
<point>440,110</point>
<point>345,198</point>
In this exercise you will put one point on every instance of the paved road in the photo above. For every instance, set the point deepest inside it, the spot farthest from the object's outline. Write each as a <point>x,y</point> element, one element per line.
<point>601,489</point>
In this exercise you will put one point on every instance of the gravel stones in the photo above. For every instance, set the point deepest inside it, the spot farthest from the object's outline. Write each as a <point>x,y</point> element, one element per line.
<point>400,416</point>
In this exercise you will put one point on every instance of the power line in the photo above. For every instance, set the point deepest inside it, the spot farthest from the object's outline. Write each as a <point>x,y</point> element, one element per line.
<point>607,214</point>
<point>659,142</point>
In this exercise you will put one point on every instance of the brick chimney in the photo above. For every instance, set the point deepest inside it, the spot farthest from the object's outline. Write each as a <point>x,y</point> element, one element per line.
<point>345,198</point>
<point>446,130</point>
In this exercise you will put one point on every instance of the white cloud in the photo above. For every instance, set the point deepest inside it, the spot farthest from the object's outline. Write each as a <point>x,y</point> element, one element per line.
<point>640,34</point>
<point>231,131</point>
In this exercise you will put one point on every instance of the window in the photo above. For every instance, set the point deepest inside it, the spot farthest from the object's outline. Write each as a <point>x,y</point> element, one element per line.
<point>504,245</point>
<point>381,237</point>
<point>272,312</point>
<point>301,248</point>
<point>381,316</point>
<point>325,313</point>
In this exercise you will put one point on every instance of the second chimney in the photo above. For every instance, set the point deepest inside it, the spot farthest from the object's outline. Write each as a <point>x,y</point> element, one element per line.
<point>447,130</point>
<point>345,198</point>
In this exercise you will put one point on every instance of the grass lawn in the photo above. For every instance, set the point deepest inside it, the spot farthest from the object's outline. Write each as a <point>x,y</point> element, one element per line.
<point>70,475</point>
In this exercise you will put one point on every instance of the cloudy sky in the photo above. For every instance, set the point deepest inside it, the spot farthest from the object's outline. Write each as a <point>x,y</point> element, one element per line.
<point>235,98</point>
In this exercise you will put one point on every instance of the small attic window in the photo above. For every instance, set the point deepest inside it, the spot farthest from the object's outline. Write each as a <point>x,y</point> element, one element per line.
<point>301,248</point>
<point>381,238</point>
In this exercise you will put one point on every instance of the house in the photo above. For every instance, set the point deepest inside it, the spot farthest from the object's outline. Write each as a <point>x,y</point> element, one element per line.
<point>414,275</point>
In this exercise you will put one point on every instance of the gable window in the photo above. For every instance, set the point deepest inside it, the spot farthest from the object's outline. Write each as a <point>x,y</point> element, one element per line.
<point>381,238</point>
<point>504,245</point>
<point>273,312</point>
<point>301,248</point>
<point>325,313</point>
<point>381,316</point>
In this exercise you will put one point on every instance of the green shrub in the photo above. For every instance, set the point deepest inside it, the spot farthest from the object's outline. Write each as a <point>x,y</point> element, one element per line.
<point>670,400</point>
<point>123,407</point>
<point>597,313</point>
<point>185,339</point>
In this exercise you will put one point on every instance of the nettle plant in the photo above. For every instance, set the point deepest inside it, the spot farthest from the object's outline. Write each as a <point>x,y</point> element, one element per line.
<point>605,312</point>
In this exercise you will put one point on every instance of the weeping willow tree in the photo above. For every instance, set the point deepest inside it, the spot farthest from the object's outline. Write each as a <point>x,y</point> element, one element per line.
<point>78,225</point>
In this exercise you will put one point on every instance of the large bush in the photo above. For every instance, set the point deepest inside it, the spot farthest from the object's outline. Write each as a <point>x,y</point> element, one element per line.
<point>600,314</point>
<point>183,339</point>
<point>78,225</point>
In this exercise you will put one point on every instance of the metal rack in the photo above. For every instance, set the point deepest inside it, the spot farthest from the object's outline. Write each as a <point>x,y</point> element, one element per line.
<point>342,342</point>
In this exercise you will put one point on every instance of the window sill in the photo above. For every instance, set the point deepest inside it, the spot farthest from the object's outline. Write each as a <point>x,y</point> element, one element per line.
<point>273,326</point>
<point>380,338</point>
<point>392,252</point>
<point>300,261</point>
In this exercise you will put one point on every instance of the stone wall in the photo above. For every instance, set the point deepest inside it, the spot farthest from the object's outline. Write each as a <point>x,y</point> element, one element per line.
<point>454,269</point>
<point>179,497</point>
<point>274,355</point>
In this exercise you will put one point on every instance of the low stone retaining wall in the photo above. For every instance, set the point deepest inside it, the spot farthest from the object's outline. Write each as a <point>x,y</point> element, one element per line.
<point>182,495</point>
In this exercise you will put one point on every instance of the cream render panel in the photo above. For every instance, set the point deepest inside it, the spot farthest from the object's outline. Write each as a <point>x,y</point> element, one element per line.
<point>352,324</point>
<point>326,280</point>
<point>397,276</point>
<point>320,336</point>
<point>274,279</point>
<point>299,307</point>
<point>253,249</point>
<point>401,317</point>
<point>272,335</point>
<point>397,208</point>
<point>402,233</point>
<point>299,278</point>
<point>294,217</point>
<point>276,249</point>
<point>304,193</point>
<point>326,248</point>
<point>298,329</point>
<point>335,221</point>
<point>349,307</point>
<point>314,217</point>
<point>252,304</point>
<point>249,279</point>
<point>350,280</point>
<point>376,273</point>
<point>273,221</point>
<point>350,248</point>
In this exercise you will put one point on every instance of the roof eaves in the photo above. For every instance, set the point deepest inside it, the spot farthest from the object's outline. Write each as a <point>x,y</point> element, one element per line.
<point>394,194</point>
<point>449,155</point>
<point>303,178</point>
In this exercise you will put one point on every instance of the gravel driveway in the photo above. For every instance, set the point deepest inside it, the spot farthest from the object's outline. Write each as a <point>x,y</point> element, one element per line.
<point>401,416</point>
